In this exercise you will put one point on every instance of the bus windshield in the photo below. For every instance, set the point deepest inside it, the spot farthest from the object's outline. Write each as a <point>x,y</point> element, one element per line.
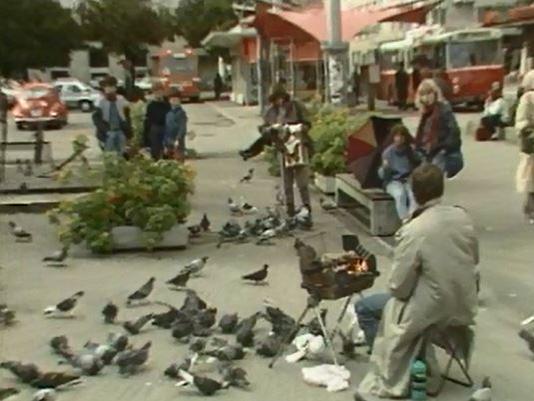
<point>177,65</point>
<point>477,53</point>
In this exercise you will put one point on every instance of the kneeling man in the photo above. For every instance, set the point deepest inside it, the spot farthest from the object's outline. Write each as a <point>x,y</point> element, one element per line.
<point>433,283</point>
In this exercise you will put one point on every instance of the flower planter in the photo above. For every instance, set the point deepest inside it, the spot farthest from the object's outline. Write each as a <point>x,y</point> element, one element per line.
<point>326,185</point>
<point>131,238</point>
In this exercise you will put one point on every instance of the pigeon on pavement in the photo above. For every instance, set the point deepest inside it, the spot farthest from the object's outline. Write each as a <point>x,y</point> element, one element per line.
<point>65,307</point>
<point>25,372</point>
<point>104,352</point>
<point>142,293</point>
<point>228,323</point>
<point>180,280</point>
<point>206,318</point>
<point>193,303</point>
<point>235,209</point>
<point>46,394</point>
<point>28,169</point>
<point>110,312</point>
<point>282,324</point>
<point>484,392</point>
<point>57,258</point>
<point>135,327</point>
<point>119,341</point>
<point>245,330</point>
<point>196,265</point>
<point>88,363</point>
<point>19,233</point>
<point>258,276</point>
<point>205,223</point>
<point>129,361</point>
<point>7,316</point>
<point>194,230</point>
<point>227,353</point>
<point>60,346</point>
<point>56,380</point>
<point>266,237</point>
<point>166,319</point>
<point>18,162</point>
<point>205,385</point>
<point>234,376</point>
<point>6,392</point>
<point>247,177</point>
<point>183,327</point>
<point>269,346</point>
<point>247,208</point>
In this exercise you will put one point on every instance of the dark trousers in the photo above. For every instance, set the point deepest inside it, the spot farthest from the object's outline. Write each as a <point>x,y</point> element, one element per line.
<point>301,176</point>
<point>156,137</point>
<point>402,98</point>
<point>491,123</point>
<point>369,312</point>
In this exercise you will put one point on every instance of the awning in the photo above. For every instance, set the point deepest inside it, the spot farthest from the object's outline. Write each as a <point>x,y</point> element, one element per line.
<point>229,38</point>
<point>311,22</point>
<point>516,17</point>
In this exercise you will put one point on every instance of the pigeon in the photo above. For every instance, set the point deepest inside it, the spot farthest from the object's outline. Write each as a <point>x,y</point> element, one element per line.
<point>104,352</point>
<point>484,392</point>
<point>6,392</point>
<point>19,233</point>
<point>228,323</point>
<point>258,276</point>
<point>46,394</point>
<point>528,337</point>
<point>28,169</point>
<point>129,361</point>
<point>180,280</point>
<point>194,231</point>
<point>226,353</point>
<point>7,316</point>
<point>183,327</point>
<point>269,346</point>
<point>235,209</point>
<point>314,327</point>
<point>193,303</point>
<point>248,208</point>
<point>88,363</point>
<point>118,341</point>
<point>245,331</point>
<point>282,324</point>
<point>65,307</point>
<point>234,376</point>
<point>205,385</point>
<point>196,265</point>
<point>247,177</point>
<point>165,320</point>
<point>142,293</point>
<point>327,204</point>
<point>266,236</point>
<point>110,312</point>
<point>18,162</point>
<point>60,346</point>
<point>23,188</point>
<point>206,318</point>
<point>56,380</point>
<point>205,223</point>
<point>57,258</point>
<point>25,372</point>
<point>173,371</point>
<point>134,327</point>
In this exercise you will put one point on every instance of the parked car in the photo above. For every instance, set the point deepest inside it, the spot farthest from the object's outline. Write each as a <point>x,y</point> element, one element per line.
<point>39,103</point>
<point>10,90</point>
<point>77,95</point>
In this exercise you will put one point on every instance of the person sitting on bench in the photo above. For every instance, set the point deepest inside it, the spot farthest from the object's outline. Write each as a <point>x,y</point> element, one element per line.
<point>398,162</point>
<point>432,285</point>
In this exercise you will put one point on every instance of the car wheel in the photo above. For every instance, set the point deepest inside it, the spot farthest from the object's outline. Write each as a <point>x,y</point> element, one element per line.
<point>86,106</point>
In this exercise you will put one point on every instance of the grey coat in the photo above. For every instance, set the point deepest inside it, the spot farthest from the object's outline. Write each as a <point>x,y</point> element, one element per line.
<point>433,283</point>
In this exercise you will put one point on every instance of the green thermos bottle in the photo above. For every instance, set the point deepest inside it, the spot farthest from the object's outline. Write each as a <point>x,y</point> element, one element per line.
<point>418,381</point>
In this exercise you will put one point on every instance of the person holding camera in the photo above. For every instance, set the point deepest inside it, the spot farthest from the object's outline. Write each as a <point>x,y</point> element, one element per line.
<point>524,124</point>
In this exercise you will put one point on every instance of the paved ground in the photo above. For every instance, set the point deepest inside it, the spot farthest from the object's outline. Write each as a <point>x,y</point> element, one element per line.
<point>485,188</point>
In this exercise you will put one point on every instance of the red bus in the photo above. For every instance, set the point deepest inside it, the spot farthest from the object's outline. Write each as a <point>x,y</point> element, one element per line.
<point>178,70</point>
<point>469,60</point>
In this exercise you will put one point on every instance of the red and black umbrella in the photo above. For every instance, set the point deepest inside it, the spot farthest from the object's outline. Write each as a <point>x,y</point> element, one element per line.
<point>365,147</point>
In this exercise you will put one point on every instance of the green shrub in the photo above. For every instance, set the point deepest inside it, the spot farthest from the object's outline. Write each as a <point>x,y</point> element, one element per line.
<point>140,192</point>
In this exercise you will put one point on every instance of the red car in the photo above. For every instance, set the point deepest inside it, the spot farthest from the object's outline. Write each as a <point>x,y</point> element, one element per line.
<point>39,103</point>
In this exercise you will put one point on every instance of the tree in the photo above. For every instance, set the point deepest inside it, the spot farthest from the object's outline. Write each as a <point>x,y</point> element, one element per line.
<point>36,34</point>
<point>195,19</point>
<point>123,26</point>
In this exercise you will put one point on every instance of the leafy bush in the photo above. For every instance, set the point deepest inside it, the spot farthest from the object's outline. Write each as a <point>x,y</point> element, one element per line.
<point>330,130</point>
<point>140,192</point>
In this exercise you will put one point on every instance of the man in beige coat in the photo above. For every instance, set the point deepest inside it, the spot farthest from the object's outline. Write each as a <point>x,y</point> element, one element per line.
<point>433,284</point>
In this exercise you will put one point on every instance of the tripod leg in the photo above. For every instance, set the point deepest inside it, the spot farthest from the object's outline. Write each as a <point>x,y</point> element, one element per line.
<point>284,344</point>
<point>342,315</point>
<point>327,338</point>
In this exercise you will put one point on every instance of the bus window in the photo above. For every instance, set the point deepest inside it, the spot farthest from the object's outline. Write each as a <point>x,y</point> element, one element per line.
<point>177,64</point>
<point>477,53</point>
<point>389,60</point>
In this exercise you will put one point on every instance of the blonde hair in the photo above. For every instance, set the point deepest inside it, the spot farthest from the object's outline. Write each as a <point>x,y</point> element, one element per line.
<point>428,83</point>
<point>528,81</point>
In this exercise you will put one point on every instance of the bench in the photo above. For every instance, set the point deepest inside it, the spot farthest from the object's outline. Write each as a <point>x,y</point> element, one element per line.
<point>373,208</point>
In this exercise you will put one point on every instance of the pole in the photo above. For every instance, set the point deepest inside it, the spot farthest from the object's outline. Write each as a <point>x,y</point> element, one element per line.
<point>336,54</point>
<point>39,137</point>
<point>3,145</point>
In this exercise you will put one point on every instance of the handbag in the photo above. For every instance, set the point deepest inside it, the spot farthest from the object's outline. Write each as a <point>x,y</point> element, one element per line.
<point>527,140</point>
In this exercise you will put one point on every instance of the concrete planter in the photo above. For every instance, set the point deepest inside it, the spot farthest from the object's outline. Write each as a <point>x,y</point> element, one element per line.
<point>131,238</point>
<point>326,185</point>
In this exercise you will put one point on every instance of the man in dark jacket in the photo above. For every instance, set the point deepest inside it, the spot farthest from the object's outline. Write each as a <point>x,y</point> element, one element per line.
<point>401,85</point>
<point>156,114</point>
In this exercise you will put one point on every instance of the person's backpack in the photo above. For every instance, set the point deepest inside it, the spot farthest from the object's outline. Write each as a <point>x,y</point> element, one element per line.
<point>527,140</point>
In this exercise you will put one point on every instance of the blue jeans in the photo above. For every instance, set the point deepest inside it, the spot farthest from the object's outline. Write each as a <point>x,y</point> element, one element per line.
<point>115,142</point>
<point>404,199</point>
<point>369,312</point>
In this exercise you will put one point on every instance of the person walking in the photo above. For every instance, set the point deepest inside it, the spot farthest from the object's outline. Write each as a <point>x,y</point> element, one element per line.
<point>156,114</point>
<point>111,118</point>
<point>432,285</point>
<point>402,80</point>
<point>524,124</point>
<point>175,125</point>
<point>356,83</point>
<point>218,86</point>
<point>137,116</point>
<point>438,137</point>
<point>398,162</point>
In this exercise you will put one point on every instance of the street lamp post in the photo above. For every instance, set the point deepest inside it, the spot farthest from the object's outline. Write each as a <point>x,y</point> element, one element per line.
<point>335,52</point>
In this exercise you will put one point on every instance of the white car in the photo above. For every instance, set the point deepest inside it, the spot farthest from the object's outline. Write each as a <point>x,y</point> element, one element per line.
<point>76,94</point>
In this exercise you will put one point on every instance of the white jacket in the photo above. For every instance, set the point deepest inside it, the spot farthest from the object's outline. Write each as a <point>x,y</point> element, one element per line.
<point>524,116</point>
<point>524,178</point>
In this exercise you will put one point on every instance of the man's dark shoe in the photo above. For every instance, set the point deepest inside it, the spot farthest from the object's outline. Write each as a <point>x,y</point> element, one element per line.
<point>244,155</point>
<point>528,337</point>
